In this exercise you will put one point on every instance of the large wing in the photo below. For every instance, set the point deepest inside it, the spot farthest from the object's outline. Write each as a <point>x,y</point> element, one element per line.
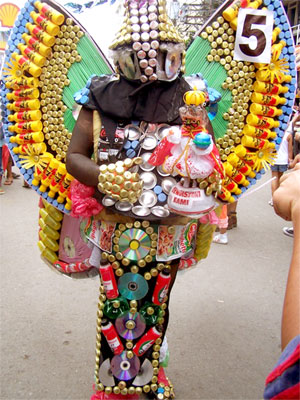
<point>257,82</point>
<point>50,57</point>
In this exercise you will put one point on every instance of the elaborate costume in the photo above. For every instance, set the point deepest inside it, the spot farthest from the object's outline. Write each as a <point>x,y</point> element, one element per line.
<point>152,152</point>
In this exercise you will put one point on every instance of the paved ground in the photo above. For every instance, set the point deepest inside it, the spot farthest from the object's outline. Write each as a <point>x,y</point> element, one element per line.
<point>224,333</point>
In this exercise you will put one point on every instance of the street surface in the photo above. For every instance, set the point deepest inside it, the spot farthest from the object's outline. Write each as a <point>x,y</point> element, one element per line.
<point>224,331</point>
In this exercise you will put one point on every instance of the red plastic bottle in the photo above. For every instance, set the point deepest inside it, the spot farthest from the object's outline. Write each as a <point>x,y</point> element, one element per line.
<point>108,280</point>
<point>161,287</point>
<point>112,337</point>
<point>147,340</point>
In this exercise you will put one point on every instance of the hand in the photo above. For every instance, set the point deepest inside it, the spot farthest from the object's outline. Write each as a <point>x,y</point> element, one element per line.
<point>286,199</point>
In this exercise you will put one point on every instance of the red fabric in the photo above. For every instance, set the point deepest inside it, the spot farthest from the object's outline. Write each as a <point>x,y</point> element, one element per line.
<point>286,364</point>
<point>292,393</point>
<point>112,396</point>
<point>5,157</point>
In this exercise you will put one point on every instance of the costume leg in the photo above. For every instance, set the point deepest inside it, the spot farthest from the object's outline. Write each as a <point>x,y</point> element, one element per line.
<point>132,316</point>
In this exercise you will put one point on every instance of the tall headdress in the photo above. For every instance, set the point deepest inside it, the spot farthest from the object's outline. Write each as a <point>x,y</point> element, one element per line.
<point>148,46</point>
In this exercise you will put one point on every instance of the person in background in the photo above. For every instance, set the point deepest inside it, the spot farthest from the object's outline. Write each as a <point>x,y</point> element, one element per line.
<point>284,157</point>
<point>222,237</point>
<point>1,169</point>
<point>284,381</point>
<point>288,231</point>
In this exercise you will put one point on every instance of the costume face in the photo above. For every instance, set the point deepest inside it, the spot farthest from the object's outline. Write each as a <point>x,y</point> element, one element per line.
<point>148,46</point>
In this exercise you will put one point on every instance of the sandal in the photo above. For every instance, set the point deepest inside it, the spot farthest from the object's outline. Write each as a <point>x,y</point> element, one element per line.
<point>8,181</point>
<point>2,191</point>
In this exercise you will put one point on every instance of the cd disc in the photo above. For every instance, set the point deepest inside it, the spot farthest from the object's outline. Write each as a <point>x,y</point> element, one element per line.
<point>144,375</point>
<point>124,368</point>
<point>132,286</point>
<point>134,244</point>
<point>130,326</point>
<point>105,374</point>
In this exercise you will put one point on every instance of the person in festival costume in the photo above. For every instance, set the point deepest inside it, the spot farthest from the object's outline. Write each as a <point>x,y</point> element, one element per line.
<point>141,234</point>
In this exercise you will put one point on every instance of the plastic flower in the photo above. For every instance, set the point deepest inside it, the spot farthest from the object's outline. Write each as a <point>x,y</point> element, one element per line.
<point>35,157</point>
<point>273,72</point>
<point>12,71</point>
<point>263,159</point>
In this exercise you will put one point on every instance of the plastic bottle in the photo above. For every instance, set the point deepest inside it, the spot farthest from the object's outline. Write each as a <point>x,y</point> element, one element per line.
<point>55,183</point>
<point>244,154</point>
<point>151,313</point>
<point>261,122</point>
<point>48,174</point>
<point>48,242</point>
<point>64,188</point>
<point>52,14</point>
<point>45,23</point>
<point>19,83</point>
<point>114,308</point>
<point>249,141</point>
<point>225,195</point>
<point>47,253</point>
<point>33,137</point>
<point>268,111</point>
<point>50,232</point>
<point>44,50</point>
<point>253,4</point>
<point>240,165</point>
<point>237,176</point>
<point>267,99</point>
<point>39,33</point>
<point>37,175</point>
<point>112,337</point>
<point>37,148</point>
<point>30,93</point>
<point>163,281</point>
<point>232,11</point>
<point>147,340</point>
<point>49,220</point>
<point>231,186</point>
<point>265,76</point>
<point>52,211</point>
<point>276,49</point>
<point>26,127</point>
<point>275,34</point>
<point>108,279</point>
<point>24,105</point>
<point>269,88</point>
<point>34,115</point>
<point>29,52</point>
<point>27,65</point>
<point>257,132</point>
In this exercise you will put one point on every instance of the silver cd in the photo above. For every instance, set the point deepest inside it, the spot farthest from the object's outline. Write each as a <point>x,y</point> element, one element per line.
<point>149,179</point>
<point>108,201</point>
<point>160,212</point>
<point>161,171</point>
<point>145,166</point>
<point>141,211</point>
<point>149,142</point>
<point>144,375</point>
<point>105,374</point>
<point>167,184</point>
<point>132,132</point>
<point>123,206</point>
<point>148,198</point>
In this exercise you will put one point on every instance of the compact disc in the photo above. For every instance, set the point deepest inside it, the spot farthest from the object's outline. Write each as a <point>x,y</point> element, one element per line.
<point>130,326</point>
<point>105,374</point>
<point>144,375</point>
<point>132,286</point>
<point>124,368</point>
<point>134,244</point>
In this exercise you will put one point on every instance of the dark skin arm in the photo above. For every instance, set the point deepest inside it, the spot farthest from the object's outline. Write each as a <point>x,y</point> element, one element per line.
<point>78,161</point>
